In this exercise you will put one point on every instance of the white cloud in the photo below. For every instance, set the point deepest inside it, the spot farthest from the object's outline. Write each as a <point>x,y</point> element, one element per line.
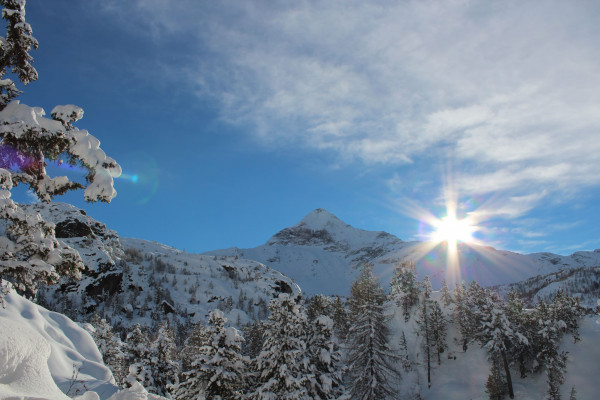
<point>509,88</point>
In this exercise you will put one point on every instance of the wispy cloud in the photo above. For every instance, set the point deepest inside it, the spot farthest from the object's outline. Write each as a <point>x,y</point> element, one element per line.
<point>509,88</point>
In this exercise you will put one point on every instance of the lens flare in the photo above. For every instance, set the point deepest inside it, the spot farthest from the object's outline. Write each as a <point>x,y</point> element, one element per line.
<point>452,230</point>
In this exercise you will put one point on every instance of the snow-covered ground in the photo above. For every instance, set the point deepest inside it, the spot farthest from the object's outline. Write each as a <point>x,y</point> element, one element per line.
<point>45,355</point>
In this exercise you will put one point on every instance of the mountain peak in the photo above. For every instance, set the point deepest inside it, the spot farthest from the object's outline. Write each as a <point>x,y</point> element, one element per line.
<point>321,219</point>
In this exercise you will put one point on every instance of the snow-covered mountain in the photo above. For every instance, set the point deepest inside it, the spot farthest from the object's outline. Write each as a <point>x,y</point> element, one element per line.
<point>129,279</point>
<point>323,254</point>
<point>137,281</point>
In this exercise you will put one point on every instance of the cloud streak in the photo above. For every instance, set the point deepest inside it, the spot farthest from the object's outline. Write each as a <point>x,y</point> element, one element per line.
<point>507,88</point>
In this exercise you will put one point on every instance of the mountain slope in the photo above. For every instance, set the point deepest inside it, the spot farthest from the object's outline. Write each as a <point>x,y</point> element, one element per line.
<point>133,281</point>
<point>322,254</point>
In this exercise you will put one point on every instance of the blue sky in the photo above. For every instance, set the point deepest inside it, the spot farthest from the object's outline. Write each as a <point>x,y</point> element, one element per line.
<point>240,117</point>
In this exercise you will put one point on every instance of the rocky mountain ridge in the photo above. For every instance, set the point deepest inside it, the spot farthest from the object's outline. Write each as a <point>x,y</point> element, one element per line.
<point>323,254</point>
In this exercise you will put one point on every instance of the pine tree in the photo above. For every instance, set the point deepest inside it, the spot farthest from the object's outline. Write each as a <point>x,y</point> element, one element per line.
<point>438,329</point>
<point>138,356</point>
<point>110,347</point>
<point>520,350</point>
<point>281,366</point>
<point>573,395</point>
<point>446,296</point>
<point>404,287</point>
<point>218,369</point>
<point>404,359</point>
<point>325,380</point>
<point>318,305</point>
<point>424,325</point>
<point>495,332</point>
<point>254,338</point>
<point>340,318</point>
<point>426,286</point>
<point>461,314</point>
<point>30,255</point>
<point>547,341</point>
<point>191,347</point>
<point>372,372</point>
<point>14,50</point>
<point>495,386</point>
<point>164,365</point>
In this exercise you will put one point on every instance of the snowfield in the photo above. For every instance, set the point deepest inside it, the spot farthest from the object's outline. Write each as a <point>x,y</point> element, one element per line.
<point>44,354</point>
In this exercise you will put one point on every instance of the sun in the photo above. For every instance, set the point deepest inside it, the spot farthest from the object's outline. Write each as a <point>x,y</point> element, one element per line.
<point>451,230</point>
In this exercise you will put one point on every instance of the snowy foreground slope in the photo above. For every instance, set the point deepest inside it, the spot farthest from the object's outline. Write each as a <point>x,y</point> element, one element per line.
<point>45,355</point>
<point>322,254</point>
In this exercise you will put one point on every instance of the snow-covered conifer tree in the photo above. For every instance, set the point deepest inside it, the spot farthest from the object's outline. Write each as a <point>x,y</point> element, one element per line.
<point>520,350</point>
<point>461,314</point>
<point>164,365</point>
<point>325,380</point>
<point>552,321</point>
<point>254,338</point>
<point>404,359</point>
<point>14,50</point>
<point>438,329</point>
<point>318,305</point>
<point>495,386</point>
<point>573,395</point>
<point>138,356</point>
<point>446,296</point>
<point>218,369</point>
<point>424,328</point>
<point>282,365</point>
<point>340,318</point>
<point>110,347</point>
<point>496,334</point>
<point>191,347</point>
<point>404,287</point>
<point>29,252</point>
<point>426,286</point>
<point>371,361</point>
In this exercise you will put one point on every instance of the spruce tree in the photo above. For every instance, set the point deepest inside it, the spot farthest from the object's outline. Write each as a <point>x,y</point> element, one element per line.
<point>192,344</point>
<point>372,370</point>
<point>446,296</point>
<point>403,348</point>
<point>438,329</point>
<point>30,255</point>
<point>521,350</point>
<point>110,347</point>
<point>462,314</point>
<point>218,369</point>
<point>325,380</point>
<point>164,364</point>
<point>424,327</point>
<point>404,287</point>
<point>340,318</point>
<point>547,350</point>
<point>138,356</point>
<point>318,305</point>
<point>573,395</point>
<point>495,332</point>
<point>494,385</point>
<point>254,338</point>
<point>281,366</point>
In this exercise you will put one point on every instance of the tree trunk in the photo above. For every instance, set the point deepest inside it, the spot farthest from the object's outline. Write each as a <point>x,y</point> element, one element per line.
<point>428,367</point>
<point>511,393</point>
